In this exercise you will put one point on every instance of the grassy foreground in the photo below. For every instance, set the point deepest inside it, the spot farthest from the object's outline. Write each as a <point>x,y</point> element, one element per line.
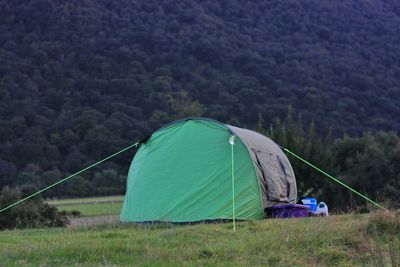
<point>336,240</point>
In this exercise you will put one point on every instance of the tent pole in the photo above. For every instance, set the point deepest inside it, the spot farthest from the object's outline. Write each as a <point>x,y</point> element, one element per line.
<point>232,142</point>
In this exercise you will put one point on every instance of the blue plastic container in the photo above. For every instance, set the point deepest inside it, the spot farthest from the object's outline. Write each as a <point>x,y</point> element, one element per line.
<point>310,202</point>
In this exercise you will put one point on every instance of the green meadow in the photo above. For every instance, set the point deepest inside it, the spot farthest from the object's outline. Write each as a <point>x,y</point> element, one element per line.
<point>98,209</point>
<point>341,240</point>
<point>94,206</point>
<point>85,200</point>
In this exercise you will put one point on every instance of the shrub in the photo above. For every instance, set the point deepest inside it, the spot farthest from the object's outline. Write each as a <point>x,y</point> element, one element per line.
<point>32,213</point>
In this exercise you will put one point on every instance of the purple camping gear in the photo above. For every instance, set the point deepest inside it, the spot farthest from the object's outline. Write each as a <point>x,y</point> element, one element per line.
<point>288,211</point>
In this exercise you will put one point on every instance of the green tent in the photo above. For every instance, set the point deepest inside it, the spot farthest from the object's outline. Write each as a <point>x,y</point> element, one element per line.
<point>190,170</point>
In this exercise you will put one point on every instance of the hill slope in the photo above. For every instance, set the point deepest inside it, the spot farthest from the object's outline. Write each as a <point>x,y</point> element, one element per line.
<point>79,79</point>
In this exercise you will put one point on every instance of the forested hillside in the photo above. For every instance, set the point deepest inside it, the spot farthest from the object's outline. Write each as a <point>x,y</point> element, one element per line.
<point>81,79</point>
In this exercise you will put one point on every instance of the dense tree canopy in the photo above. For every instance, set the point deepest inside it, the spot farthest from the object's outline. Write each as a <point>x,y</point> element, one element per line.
<point>81,79</point>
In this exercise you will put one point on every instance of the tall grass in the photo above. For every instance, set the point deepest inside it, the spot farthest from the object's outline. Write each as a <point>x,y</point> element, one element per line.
<point>334,241</point>
<point>382,238</point>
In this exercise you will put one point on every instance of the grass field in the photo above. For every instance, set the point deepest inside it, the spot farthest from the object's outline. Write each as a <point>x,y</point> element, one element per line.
<point>95,206</point>
<point>94,209</point>
<point>334,241</point>
<point>85,200</point>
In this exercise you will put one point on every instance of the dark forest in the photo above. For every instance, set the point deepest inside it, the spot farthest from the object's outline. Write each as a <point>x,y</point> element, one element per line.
<point>82,79</point>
